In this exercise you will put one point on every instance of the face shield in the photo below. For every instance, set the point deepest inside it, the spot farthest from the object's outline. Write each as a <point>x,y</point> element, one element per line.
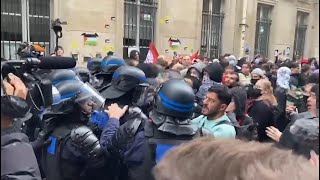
<point>89,99</point>
<point>140,95</point>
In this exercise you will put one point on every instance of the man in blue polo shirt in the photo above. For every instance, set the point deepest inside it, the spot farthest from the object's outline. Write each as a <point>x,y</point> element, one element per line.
<point>214,120</point>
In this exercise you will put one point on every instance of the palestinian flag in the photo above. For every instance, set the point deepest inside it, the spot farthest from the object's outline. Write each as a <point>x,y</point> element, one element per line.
<point>90,39</point>
<point>174,43</point>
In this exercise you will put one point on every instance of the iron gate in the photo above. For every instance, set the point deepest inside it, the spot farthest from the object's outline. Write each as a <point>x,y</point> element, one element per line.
<point>300,35</point>
<point>263,24</point>
<point>139,25</point>
<point>211,30</point>
<point>24,21</point>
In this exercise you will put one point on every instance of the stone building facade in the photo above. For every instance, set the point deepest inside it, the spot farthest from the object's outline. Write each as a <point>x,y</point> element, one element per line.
<point>214,27</point>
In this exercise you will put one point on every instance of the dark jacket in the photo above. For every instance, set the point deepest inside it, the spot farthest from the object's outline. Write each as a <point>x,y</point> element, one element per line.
<point>125,143</point>
<point>281,96</point>
<point>296,80</point>
<point>18,160</point>
<point>261,113</point>
<point>301,136</point>
<point>66,158</point>
<point>239,96</point>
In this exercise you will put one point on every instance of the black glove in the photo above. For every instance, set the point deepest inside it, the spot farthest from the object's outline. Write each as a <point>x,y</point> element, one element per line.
<point>41,141</point>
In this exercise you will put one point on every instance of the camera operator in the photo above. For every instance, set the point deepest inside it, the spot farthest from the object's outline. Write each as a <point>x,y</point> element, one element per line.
<point>13,142</point>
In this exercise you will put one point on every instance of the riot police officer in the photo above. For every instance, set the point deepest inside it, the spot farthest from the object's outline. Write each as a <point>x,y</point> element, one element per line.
<point>94,65</point>
<point>74,152</point>
<point>84,74</point>
<point>127,88</point>
<point>108,66</point>
<point>148,140</point>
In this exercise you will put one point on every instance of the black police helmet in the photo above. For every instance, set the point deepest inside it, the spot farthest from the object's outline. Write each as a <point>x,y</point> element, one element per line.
<point>60,75</point>
<point>94,65</point>
<point>124,79</point>
<point>109,64</point>
<point>175,98</point>
<point>83,73</point>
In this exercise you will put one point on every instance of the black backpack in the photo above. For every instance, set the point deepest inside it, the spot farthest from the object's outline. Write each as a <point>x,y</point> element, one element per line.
<point>248,131</point>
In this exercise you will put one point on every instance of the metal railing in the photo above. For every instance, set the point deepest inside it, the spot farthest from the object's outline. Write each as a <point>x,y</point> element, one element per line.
<point>211,30</point>
<point>300,35</point>
<point>139,25</point>
<point>262,37</point>
<point>24,21</point>
<point>263,24</point>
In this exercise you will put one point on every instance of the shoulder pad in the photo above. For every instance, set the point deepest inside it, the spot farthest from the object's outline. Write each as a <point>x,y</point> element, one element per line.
<point>136,112</point>
<point>86,142</point>
<point>134,120</point>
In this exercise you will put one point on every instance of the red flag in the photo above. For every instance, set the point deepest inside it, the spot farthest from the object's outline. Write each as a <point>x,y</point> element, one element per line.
<point>194,56</point>
<point>152,54</point>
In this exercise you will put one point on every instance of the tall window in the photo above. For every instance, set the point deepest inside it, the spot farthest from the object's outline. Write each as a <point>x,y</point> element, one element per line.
<point>263,23</point>
<point>139,25</point>
<point>24,21</point>
<point>300,34</point>
<point>211,30</point>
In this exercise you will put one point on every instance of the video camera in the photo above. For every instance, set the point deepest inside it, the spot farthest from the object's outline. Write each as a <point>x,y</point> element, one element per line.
<point>28,70</point>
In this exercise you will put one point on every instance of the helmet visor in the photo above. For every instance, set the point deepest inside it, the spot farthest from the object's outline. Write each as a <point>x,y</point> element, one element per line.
<point>89,99</point>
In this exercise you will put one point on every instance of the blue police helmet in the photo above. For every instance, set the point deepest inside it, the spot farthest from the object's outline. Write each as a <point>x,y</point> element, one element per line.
<point>175,98</point>
<point>94,65</point>
<point>75,92</point>
<point>109,64</point>
<point>61,75</point>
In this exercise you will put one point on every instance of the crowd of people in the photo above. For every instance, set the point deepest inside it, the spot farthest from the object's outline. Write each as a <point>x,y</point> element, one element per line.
<point>177,118</point>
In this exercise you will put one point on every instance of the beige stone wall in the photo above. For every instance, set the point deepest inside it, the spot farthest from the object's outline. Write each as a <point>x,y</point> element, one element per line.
<point>283,25</point>
<point>185,18</point>
<point>184,21</point>
<point>83,16</point>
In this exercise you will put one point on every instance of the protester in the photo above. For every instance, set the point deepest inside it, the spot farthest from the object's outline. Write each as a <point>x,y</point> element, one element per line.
<point>273,75</point>
<point>238,106</point>
<point>193,82</point>
<point>134,58</point>
<point>231,80</point>
<point>208,159</point>
<point>305,73</point>
<point>295,79</point>
<point>283,78</point>
<point>311,114</point>
<point>244,75</point>
<point>256,75</point>
<point>168,74</point>
<point>212,74</point>
<point>302,137</point>
<point>314,63</point>
<point>162,63</point>
<point>60,51</point>
<point>232,60</point>
<point>261,109</point>
<point>195,70</point>
<point>214,107</point>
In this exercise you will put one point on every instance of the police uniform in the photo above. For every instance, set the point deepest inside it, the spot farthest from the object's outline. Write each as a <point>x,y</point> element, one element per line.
<point>74,152</point>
